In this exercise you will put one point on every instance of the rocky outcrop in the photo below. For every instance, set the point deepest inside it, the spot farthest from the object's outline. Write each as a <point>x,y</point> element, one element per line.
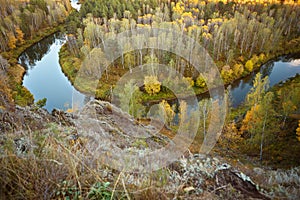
<point>211,177</point>
<point>101,134</point>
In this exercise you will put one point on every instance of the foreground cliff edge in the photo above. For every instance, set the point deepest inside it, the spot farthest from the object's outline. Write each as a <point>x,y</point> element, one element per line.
<point>56,156</point>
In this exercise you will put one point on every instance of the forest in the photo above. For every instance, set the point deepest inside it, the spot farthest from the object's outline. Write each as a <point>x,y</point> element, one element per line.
<point>239,36</point>
<point>107,43</point>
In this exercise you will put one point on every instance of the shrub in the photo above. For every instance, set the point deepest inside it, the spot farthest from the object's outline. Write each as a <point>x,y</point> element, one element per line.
<point>249,66</point>
<point>238,69</point>
<point>152,85</point>
<point>227,74</point>
<point>41,103</point>
<point>189,81</point>
<point>200,82</point>
<point>168,111</point>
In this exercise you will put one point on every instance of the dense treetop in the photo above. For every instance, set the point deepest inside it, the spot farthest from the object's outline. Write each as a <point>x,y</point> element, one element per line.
<point>23,19</point>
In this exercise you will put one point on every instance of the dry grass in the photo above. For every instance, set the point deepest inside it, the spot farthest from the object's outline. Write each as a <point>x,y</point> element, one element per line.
<point>49,163</point>
<point>54,164</point>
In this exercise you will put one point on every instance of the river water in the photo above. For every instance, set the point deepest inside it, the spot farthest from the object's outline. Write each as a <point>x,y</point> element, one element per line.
<point>278,71</point>
<point>75,4</point>
<point>45,79</point>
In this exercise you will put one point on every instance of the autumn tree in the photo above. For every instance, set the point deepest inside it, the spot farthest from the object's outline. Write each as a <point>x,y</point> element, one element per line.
<point>188,81</point>
<point>253,100</point>
<point>20,36</point>
<point>260,113</point>
<point>200,82</point>
<point>238,69</point>
<point>205,109</point>
<point>249,65</point>
<point>152,85</point>
<point>11,41</point>
<point>288,101</point>
<point>227,74</point>
<point>298,131</point>
<point>167,111</point>
<point>265,113</point>
<point>130,99</point>
<point>257,92</point>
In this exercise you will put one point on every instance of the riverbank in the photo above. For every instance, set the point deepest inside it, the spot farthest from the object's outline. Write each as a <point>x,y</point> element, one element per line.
<point>71,65</point>
<point>13,55</point>
<point>20,94</point>
<point>281,148</point>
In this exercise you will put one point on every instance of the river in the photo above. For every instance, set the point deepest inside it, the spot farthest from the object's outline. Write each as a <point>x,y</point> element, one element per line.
<point>45,79</point>
<point>75,4</point>
<point>279,70</point>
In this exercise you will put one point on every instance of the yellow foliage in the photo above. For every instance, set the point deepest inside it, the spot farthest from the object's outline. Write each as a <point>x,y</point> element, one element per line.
<point>227,73</point>
<point>169,113</point>
<point>152,85</point>
<point>298,132</point>
<point>193,2</point>
<point>187,15</point>
<point>191,28</point>
<point>202,3</point>
<point>70,110</point>
<point>195,10</point>
<point>254,59</point>
<point>183,112</point>
<point>262,57</point>
<point>204,28</point>
<point>238,69</point>
<point>207,36</point>
<point>200,82</point>
<point>20,36</point>
<point>250,118</point>
<point>178,8</point>
<point>189,81</point>
<point>217,21</point>
<point>289,105</point>
<point>11,41</point>
<point>249,65</point>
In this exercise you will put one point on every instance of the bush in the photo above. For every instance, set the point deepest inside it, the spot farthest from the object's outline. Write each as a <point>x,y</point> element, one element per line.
<point>200,82</point>
<point>152,85</point>
<point>168,111</point>
<point>227,74</point>
<point>238,69</point>
<point>249,66</point>
<point>189,81</point>
<point>41,103</point>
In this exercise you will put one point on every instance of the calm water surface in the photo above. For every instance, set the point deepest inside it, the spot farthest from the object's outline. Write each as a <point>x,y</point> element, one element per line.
<point>44,77</point>
<point>277,71</point>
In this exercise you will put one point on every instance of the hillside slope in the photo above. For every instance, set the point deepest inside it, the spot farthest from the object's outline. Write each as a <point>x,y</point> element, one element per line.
<point>59,155</point>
